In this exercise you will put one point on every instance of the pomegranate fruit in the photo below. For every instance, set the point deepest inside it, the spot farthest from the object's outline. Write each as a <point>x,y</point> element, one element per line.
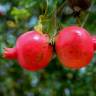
<point>74,47</point>
<point>32,51</point>
<point>94,42</point>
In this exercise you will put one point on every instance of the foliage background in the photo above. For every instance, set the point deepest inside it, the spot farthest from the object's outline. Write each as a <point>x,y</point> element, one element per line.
<point>55,80</point>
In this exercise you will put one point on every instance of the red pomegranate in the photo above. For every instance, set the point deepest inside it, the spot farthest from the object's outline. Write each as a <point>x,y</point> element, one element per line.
<point>74,47</point>
<point>32,51</point>
<point>94,42</point>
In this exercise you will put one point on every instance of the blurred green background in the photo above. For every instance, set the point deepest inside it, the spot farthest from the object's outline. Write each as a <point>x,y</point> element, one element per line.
<point>19,16</point>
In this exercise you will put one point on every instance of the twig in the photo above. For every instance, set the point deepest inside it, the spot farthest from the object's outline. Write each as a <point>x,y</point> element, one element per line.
<point>61,7</point>
<point>85,20</point>
<point>46,7</point>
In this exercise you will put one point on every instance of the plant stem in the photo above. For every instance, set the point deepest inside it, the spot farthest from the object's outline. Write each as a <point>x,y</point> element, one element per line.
<point>59,10</point>
<point>78,21</point>
<point>85,20</point>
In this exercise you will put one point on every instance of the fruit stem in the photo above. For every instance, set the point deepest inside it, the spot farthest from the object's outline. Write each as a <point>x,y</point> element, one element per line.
<point>10,53</point>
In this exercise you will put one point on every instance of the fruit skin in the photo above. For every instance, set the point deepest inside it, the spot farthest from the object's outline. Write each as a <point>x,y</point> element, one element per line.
<point>10,53</point>
<point>94,41</point>
<point>74,47</point>
<point>32,51</point>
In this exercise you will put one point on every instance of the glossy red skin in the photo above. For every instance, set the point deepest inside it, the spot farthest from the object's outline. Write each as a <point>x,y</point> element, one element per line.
<point>74,47</point>
<point>33,51</point>
<point>10,53</point>
<point>94,42</point>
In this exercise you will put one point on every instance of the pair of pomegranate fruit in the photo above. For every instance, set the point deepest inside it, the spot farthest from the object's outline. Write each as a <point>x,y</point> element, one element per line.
<point>73,44</point>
